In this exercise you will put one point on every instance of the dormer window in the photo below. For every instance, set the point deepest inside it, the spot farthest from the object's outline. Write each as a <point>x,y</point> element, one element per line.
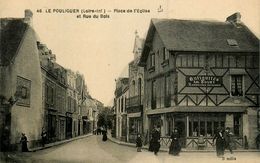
<point>232,42</point>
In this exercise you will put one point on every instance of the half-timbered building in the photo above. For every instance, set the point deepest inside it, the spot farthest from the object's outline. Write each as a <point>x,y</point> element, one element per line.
<point>201,75</point>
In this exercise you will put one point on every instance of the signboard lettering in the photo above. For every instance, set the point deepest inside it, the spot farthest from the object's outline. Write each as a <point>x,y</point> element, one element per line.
<point>203,81</point>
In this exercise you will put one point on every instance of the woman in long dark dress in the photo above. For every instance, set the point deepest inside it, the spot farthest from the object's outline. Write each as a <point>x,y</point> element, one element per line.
<point>24,143</point>
<point>104,135</point>
<point>175,146</point>
<point>156,140</point>
<point>220,143</point>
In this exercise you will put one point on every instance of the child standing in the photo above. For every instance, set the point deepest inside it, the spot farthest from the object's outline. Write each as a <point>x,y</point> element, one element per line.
<point>139,143</point>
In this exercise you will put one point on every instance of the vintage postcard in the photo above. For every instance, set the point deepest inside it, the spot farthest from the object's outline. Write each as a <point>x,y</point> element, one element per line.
<point>129,81</point>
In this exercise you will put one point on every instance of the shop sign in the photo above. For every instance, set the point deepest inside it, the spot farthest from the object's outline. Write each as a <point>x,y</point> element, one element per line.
<point>203,81</point>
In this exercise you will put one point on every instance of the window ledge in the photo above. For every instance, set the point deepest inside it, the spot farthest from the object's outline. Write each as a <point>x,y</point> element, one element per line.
<point>165,63</point>
<point>151,69</point>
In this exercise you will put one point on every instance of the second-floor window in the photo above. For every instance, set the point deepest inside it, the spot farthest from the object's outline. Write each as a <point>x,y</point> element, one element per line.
<point>167,95</point>
<point>152,61</point>
<point>236,85</point>
<point>50,95</point>
<point>165,54</point>
<point>153,99</point>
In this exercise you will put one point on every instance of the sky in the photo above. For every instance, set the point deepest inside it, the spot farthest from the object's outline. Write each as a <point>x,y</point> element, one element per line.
<point>101,48</point>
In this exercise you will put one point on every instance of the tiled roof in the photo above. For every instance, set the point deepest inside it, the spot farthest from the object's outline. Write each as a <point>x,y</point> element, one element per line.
<point>208,36</point>
<point>11,34</point>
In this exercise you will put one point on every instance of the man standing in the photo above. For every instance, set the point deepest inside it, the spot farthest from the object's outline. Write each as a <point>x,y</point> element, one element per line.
<point>156,135</point>
<point>227,137</point>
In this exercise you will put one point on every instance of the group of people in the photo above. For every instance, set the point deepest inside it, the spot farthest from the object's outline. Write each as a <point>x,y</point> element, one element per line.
<point>223,141</point>
<point>154,144</point>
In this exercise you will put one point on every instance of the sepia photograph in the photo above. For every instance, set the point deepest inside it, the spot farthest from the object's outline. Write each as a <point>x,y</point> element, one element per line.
<point>156,81</point>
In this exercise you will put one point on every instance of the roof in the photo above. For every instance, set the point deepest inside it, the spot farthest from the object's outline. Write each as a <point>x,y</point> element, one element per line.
<point>207,36</point>
<point>11,34</point>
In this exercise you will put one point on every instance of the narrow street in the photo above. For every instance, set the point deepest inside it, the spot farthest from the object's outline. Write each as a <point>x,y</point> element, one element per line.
<point>93,149</point>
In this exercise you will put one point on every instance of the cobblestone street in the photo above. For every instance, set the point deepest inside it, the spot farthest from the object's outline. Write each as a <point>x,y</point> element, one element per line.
<point>93,149</point>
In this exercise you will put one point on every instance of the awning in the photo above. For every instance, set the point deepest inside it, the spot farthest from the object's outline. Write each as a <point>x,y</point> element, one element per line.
<point>199,109</point>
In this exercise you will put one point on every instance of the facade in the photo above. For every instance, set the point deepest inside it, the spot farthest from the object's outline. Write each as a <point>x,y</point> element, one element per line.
<point>20,83</point>
<point>72,102</point>
<point>54,95</point>
<point>121,95</point>
<point>134,103</point>
<point>201,75</point>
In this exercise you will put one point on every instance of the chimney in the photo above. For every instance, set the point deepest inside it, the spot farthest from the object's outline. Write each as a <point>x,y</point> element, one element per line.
<point>234,18</point>
<point>28,16</point>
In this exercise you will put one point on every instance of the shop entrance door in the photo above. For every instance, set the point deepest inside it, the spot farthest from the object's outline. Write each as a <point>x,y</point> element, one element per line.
<point>180,125</point>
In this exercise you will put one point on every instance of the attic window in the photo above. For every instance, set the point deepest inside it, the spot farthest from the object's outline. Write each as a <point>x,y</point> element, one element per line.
<point>232,42</point>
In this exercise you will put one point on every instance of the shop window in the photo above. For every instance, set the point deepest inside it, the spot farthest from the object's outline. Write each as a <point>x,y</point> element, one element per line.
<point>190,129</point>
<point>236,85</point>
<point>215,127</point>
<point>205,125</point>
<point>209,129</point>
<point>202,128</point>
<point>195,128</point>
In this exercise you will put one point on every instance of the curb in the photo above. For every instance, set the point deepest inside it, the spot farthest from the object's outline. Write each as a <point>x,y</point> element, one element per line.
<point>59,143</point>
<point>166,150</point>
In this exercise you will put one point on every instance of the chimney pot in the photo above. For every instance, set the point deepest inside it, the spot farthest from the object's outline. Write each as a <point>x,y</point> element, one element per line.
<point>234,18</point>
<point>28,15</point>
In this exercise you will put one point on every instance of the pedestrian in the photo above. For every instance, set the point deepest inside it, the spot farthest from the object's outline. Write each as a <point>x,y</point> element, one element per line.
<point>5,139</point>
<point>227,137</point>
<point>104,132</point>
<point>155,141</point>
<point>257,141</point>
<point>220,142</point>
<point>24,141</point>
<point>139,143</point>
<point>175,146</point>
<point>44,136</point>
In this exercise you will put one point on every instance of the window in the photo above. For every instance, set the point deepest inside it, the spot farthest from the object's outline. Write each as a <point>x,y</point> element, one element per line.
<point>153,99</point>
<point>205,124</point>
<point>122,104</point>
<point>50,95</point>
<point>236,85</point>
<point>133,88</point>
<point>219,60</point>
<point>167,95</point>
<point>165,54</point>
<point>152,60</point>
